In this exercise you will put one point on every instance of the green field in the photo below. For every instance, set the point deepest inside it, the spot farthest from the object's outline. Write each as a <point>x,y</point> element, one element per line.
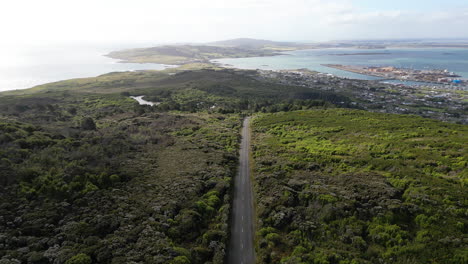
<point>348,186</point>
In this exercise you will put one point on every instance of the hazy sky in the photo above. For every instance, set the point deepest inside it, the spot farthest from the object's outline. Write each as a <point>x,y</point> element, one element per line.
<point>47,22</point>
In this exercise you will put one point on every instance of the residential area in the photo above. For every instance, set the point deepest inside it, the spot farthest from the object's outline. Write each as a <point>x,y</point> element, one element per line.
<point>443,102</point>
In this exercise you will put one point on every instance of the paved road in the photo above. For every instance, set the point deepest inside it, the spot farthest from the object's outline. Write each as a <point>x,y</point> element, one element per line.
<point>241,248</point>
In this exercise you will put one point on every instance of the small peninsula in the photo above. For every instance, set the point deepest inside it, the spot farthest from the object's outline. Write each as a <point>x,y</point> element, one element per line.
<point>203,53</point>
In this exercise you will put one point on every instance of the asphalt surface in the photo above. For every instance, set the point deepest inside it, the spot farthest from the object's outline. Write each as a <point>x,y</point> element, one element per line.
<point>241,246</point>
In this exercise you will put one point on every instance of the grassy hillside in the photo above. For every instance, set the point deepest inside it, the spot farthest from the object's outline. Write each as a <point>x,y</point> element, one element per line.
<point>183,54</point>
<point>348,186</point>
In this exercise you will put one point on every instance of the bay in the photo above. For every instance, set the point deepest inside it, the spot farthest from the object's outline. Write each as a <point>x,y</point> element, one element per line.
<point>454,60</point>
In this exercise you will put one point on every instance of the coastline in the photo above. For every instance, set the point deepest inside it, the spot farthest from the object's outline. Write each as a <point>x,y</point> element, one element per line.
<point>111,64</point>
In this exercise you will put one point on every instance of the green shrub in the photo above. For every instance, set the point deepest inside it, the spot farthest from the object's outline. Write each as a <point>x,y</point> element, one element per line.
<point>88,124</point>
<point>89,187</point>
<point>273,238</point>
<point>79,259</point>
<point>326,198</point>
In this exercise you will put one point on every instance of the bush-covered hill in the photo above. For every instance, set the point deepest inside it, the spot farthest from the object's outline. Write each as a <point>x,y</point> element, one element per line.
<point>347,186</point>
<point>87,175</point>
<point>95,177</point>
<point>223,91</point>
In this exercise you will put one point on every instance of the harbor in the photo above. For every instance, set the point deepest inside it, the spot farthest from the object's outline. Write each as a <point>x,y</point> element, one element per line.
<point>388,73</point>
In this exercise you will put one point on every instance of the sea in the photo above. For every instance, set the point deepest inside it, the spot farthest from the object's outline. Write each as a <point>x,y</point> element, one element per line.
<point>27,66</point>
<point>453,59</point>
<point>22,68</point>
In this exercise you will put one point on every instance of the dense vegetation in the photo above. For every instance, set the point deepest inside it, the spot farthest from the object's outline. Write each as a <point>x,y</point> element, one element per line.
<point>87,174</point>
<point>222,91</point>
<point>348,186</point>
<point>88,177</point>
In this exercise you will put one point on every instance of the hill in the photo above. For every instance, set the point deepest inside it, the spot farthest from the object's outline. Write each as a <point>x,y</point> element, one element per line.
<point>184,54</point>
<point>248,42</point>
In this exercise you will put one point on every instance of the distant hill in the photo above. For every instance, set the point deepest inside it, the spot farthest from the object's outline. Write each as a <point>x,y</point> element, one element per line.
<point>203,53</point>
<point>183,54</point>
<point>248,42</point>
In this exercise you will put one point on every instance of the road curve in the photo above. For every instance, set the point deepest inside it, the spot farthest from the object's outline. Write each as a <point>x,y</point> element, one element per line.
<point>241,244</point>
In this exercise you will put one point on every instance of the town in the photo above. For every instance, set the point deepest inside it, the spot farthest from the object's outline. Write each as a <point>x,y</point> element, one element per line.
<point>443,102</point>
<point>405,74</point>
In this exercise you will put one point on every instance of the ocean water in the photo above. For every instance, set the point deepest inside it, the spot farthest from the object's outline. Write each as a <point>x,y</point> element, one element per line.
<point>454,60</point>
<point>25,67</point>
